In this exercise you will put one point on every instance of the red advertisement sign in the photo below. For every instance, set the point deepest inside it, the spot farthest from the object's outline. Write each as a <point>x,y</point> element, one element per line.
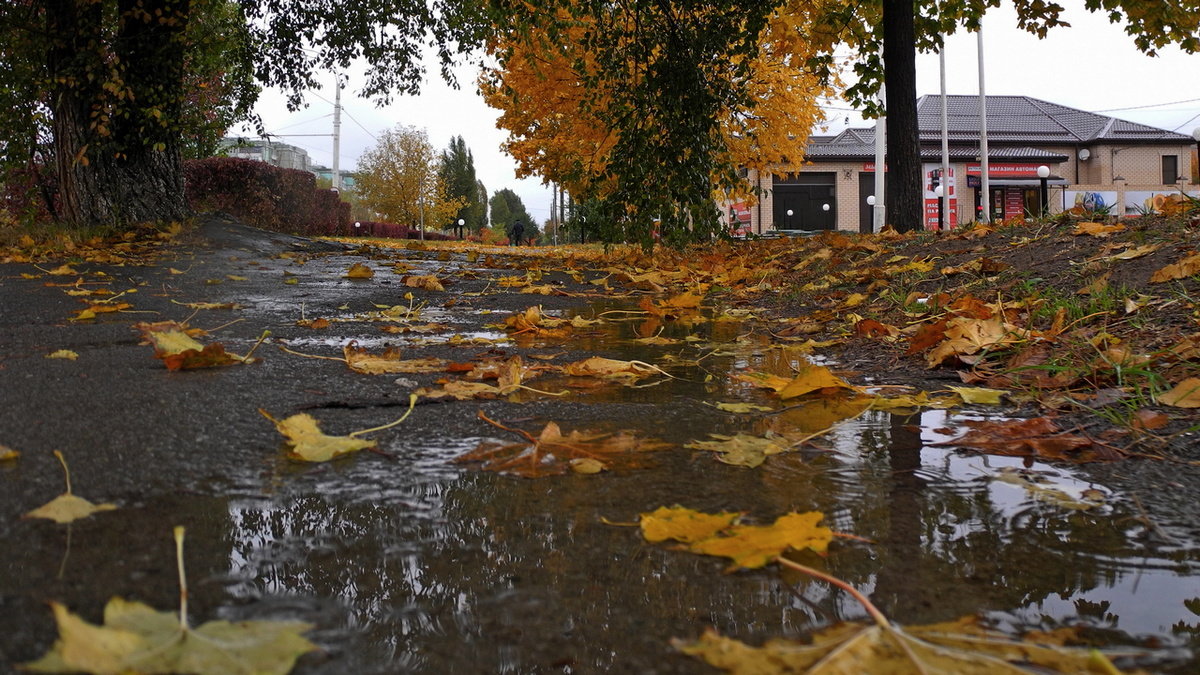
<point>950,217</point>
<point>739,212</point>
<point>869,167</point>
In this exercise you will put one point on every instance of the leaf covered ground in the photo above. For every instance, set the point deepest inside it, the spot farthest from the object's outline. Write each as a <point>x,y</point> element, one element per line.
<point>1072,342</point>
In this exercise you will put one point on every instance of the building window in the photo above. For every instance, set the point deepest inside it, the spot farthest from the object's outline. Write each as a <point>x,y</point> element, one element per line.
<point>1170,169</point>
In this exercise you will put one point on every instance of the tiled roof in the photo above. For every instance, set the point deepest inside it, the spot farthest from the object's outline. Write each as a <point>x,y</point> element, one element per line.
<point>860,144</point>
<point>1022,119</point>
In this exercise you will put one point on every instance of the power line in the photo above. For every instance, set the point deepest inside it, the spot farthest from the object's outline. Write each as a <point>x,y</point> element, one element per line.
<point>1149,105</point>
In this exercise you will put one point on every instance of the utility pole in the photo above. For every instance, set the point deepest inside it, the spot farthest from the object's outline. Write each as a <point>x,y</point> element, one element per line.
<point>337,131</point>
<point>944,198</point>
<point>985,185</point>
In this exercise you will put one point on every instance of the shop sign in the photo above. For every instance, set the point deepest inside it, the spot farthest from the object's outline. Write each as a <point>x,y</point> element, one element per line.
<point>869,167</point>
<point>1009,170</point>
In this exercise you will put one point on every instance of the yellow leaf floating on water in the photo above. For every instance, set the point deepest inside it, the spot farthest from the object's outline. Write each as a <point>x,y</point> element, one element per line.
<point>63,354</point>
<point>7,453</point>
<point>979,395</point>
<point>749,546</point>
<point>742,408</point>
<point>67,507</point>
<point>813,377</point>
<point>742,449</point>
<point>679,524</point>
<point>137,639</point>
<point>1186,394</point>
<point>753,546</point>
<point>855,648</point>
<point>598,366</point>
<point>310,444</point>
<point>359,271</point>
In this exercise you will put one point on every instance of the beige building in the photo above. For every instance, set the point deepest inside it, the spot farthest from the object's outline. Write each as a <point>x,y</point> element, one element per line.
<point>1096,163</point>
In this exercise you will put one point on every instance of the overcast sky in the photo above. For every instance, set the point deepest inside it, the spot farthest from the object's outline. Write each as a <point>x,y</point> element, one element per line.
<point>1091,65</point>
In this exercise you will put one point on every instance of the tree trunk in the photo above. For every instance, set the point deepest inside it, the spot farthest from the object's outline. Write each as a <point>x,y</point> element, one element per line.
<point>115,105</point>
<point>904,189</point>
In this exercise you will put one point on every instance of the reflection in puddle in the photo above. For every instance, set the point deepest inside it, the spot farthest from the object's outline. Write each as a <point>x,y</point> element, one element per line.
<point>436,570</point>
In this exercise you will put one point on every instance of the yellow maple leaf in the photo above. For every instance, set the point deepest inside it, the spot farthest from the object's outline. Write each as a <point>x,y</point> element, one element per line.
<point>810,378</point>
<point>63,354</point>
<point>979,395</point>
<point>67,507</point>
<point>753,546</point>
<point>310,444</point>
<point>137,639</point>
<point>359,271</point>
<point>685,525</point>
<point>743,449</point>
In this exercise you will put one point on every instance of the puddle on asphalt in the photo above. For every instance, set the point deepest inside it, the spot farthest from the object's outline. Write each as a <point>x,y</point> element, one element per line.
<point>416,564</point>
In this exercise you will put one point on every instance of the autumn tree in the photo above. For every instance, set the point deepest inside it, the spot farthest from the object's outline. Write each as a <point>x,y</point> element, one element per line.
<point>114,74</point>
<point>401,178</point>
<point>458,174</point>
<point>649,109</point>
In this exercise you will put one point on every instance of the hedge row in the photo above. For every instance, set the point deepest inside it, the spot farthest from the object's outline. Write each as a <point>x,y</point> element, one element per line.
<point>284,200</point>
<point>370,228</point>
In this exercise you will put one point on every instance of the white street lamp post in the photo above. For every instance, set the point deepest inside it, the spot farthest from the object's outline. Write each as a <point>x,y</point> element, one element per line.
<point>1043,173</point>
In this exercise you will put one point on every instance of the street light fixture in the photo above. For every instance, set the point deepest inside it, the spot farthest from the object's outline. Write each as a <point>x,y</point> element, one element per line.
<point>357,228</point>
<point>870,200</point>
<point>1043,173</point>
<point>789,220</point>
<point>461,222</point>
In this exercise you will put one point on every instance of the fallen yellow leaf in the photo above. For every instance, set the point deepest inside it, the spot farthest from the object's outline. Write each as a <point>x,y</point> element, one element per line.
<point>67,507</point>
<point>685,525</point>
<point>359,271</point>
<point>63,354</point>
<point>979,395</point>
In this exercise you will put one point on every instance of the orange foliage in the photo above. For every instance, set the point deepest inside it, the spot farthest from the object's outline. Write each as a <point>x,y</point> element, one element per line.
<point>555,121</point>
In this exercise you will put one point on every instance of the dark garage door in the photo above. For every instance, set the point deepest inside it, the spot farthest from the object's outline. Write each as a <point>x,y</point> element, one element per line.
<point>805,194</point>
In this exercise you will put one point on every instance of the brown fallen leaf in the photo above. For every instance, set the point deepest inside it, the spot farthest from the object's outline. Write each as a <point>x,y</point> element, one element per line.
<point>180,351</point>
<point>137,639</point>
<point>598,366</point>
<point>1186,394</point>
<point>552,452</point>
<point>1032,437</point>
<point>427,282</point>
<point>1189,266</point>
<point>387,363</point>
<point>67,507</point>
<point>1098,229</point>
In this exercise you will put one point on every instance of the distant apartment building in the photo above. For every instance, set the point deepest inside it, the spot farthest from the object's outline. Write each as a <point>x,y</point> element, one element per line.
<point>1095,162</point>
<point>272,152</point>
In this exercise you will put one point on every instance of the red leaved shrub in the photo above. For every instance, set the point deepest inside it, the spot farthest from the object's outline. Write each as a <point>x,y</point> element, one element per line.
<point>266,196</point>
